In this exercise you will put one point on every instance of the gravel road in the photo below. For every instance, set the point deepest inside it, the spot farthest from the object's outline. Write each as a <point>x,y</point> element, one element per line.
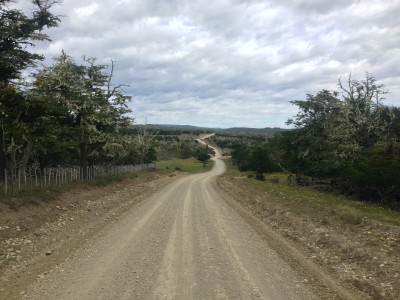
<point>184,242</point>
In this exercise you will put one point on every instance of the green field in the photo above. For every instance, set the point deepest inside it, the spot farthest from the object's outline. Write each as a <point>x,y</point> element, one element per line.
<point>190,165</point>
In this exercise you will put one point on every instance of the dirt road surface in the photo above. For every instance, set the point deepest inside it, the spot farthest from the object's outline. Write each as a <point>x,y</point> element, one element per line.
<point>184,242</point>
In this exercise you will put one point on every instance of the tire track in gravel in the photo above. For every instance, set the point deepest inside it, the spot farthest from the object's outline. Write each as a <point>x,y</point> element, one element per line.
<point>184,242</point>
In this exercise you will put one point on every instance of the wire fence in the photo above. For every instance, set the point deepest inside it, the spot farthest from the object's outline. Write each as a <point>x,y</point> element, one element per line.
<point>34,178</point>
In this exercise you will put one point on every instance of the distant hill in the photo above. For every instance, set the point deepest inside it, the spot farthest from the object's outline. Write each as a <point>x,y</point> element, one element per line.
<point>171,129</point>
<point>233,130</point>
<point>185,127</point>
<point>245,130</point>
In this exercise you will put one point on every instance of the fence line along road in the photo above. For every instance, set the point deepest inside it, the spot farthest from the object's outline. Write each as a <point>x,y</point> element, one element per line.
<point>33,178</point>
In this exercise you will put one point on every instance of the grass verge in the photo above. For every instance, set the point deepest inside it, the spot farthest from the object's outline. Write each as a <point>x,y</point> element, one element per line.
<point>321,205</point>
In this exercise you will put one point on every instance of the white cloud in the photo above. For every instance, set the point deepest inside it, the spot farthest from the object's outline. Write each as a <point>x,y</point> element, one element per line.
<point>86,11</point>
<point>231,62</point>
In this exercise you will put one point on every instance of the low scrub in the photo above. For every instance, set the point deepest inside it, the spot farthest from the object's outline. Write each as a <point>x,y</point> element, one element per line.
<point>190,165</point>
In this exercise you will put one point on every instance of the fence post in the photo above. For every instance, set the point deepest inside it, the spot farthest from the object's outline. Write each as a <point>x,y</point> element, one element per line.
<point>19,179</point>
<point>58,175</point>
<point>62,175</point>
<point>5,181</point>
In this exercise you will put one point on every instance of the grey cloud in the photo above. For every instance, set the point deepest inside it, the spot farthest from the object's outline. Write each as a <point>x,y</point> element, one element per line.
<point>185,60</point>
<point>314,6</point>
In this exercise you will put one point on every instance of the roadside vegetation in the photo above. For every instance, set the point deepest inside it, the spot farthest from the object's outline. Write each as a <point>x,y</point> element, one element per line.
<point>322,206</point>
<point>358,241</point>
<point>69,113</point>
<point>344,141</point>
<point>190,165</point>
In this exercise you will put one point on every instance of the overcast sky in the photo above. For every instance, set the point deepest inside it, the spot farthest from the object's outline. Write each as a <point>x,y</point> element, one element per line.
<point>226,63</point>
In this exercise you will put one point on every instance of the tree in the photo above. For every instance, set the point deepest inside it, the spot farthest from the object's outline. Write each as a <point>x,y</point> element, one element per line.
<point>334,131</point>
<point>240,157</point>
<point>317,120</point>
<point>259,161</point>
<point>203,157</point>
<point>286,150</point>
<point>349,137</point>
<point>144,143</point>
<point>255,158</point>
<point>375,175</point>
<point>93,108</point>
<point>364,113</point>
<point>17,31</point>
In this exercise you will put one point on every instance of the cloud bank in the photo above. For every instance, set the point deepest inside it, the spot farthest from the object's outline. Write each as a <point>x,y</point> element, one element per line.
<point>228,63</point>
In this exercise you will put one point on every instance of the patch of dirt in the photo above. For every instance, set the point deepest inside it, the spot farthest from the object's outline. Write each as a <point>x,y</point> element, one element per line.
<point>35,237</point>
<point>365,256</point>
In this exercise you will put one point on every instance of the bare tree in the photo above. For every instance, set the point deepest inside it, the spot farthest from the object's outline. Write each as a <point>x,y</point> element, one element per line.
<point>144,141</point>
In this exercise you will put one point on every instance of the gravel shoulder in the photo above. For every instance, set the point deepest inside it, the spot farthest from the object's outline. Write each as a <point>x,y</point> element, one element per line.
<point>35,239</point>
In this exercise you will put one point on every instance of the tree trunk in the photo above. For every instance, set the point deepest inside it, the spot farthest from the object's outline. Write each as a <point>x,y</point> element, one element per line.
<point>298,178</point>
<point>84,160</point>
<point>27,154</point>
<point>2,154</point>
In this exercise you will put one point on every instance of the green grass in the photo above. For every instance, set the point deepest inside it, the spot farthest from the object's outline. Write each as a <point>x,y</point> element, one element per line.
<point>348,209</point>
<point>326,206</point>
<point>190,165</point>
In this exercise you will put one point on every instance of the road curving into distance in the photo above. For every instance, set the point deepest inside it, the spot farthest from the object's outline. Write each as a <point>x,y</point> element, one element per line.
<point>184,242</point>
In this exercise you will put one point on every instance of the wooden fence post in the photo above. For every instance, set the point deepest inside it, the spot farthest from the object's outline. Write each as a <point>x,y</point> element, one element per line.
<point>64,175</point>
<point>19,179</point>
<point>5,181</point>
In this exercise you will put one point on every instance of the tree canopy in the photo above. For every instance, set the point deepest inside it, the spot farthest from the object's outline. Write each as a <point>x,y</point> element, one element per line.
<point>17,32</point>
<point>68,113</point>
